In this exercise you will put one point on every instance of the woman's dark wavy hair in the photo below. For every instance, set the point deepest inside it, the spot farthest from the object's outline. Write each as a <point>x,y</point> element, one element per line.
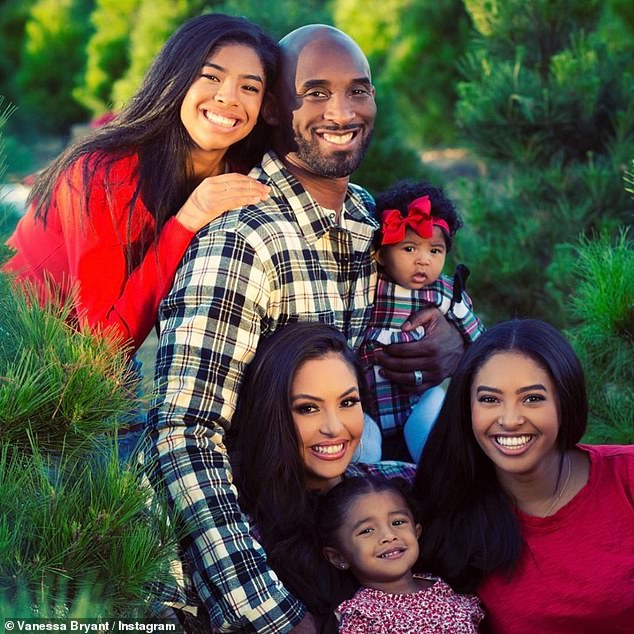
<point>150,124</point>
<point>469,526</point>
<point>401,194</point>
<point>270,474</point>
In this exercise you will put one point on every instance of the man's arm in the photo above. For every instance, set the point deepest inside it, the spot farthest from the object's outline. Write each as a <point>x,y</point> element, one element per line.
<point>437,354</point>
<point>210,327</point>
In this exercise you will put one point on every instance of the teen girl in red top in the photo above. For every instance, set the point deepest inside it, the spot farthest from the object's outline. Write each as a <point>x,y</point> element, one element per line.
<point>541,527</point>
<point>110,219</point>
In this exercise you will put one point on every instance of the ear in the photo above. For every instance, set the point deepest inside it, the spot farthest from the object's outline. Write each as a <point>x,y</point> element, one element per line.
<point>269,111</point>
<point>419,530</point>
<point>378,256</point>
<point>335,557</point>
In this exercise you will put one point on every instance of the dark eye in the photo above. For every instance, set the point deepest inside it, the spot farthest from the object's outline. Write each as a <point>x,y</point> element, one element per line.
<point>251,88</point>
<point>535,398</point>
<point>350,402</point>
<point>486,398</point>
<point>210,77</point>
<point>399,522</point>
<point>317,94</point>
<point>305,408</point>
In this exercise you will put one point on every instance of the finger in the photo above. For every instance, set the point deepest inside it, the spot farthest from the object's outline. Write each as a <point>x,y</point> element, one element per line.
<point>239,182</point>
<point>406,380</point>
<point>422,317</point>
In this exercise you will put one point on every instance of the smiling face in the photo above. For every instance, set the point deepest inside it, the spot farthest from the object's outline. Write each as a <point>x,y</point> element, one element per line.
<point>334,111</point>
<point>414,262</point>
<point>378,541</point>
<point>222,105</point>
<point>327,413</point>
<point>515,415</point>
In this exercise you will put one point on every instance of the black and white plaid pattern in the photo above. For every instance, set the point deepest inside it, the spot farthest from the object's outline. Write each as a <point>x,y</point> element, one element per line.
<point>248,273</point>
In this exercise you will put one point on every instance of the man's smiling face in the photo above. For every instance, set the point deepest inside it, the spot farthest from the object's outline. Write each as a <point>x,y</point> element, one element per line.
<point>334,112</point>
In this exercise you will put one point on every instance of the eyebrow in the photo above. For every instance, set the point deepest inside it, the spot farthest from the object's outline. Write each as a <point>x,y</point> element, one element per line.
<point>312,83</point>
<point>521,390</point>
<point>224,70</point>
<point>352,390</point>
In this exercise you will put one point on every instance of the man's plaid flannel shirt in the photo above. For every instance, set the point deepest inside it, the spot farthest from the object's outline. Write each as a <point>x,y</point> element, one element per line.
<point>251,271</point>
<point>390,405</point>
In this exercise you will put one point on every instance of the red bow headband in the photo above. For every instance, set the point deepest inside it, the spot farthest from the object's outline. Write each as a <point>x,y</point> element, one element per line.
<point>418,218</point>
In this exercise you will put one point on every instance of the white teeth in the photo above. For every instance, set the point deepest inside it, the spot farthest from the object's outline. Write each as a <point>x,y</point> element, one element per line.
<point>391,553</point>
<point>328,449</point>
<point>512,441</point>
<point>220,120</point>
<point>338,139</point>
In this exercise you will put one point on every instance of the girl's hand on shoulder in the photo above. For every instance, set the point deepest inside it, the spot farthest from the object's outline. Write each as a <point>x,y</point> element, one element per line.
<point>217,194</point>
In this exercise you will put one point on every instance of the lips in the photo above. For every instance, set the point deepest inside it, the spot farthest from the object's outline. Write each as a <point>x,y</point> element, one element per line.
<point>330,451</point>
<point>221,120</point>
<point>513,444</point>
<point>392,553</point>
<point>340,138</point>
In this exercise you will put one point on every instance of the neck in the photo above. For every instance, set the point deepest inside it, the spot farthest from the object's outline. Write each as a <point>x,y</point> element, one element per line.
<point>328,191</point>
<point>537,492</point>
<point>405,585</point>
<point>208,164</point>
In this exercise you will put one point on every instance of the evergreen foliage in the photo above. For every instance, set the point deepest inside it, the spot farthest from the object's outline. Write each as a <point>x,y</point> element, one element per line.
<point>603,306</point>
<point>13,19</point>
<point>551,108</point>
<point>80,534</point>
<point>413,48</point>
<point>106,53</point>
<point>154,22</point>
<point>73,521</point>
<point>52,60</point>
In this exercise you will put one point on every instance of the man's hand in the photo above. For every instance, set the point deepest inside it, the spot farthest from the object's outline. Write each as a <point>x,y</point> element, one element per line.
<point>308,625</point>
<point>437,354</point>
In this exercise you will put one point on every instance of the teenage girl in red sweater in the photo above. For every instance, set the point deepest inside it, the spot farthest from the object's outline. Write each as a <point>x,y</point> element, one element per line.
<point>110,219</point>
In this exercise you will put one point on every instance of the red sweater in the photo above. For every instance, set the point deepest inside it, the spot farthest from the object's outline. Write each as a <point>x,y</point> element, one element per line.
<point>90,252</point>
<point>576,573</point>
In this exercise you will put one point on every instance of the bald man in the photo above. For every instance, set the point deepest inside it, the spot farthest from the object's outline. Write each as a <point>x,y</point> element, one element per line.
<point>303,254</point>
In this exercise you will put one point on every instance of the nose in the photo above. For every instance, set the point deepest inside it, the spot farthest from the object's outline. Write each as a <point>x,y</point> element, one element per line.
<point>422,257</point>
<point>340,109</point>
<point>387,535</point>
<point>510,418</point>
<point>331,425</point>
<point>227,92</point>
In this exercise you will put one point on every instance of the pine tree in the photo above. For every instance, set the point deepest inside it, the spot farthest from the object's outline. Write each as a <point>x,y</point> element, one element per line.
<point>549,104</point>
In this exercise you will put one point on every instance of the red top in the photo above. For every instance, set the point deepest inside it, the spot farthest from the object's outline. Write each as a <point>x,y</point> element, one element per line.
<point>576,573</point>
<point>90,251</point>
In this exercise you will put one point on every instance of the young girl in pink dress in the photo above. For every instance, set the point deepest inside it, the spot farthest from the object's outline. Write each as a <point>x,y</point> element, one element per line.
<point>369,529</point>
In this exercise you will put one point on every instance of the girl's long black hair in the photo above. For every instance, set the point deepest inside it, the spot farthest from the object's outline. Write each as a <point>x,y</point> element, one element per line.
<point>469,524</point>
<point>270,472</point>
<point>150,124</point>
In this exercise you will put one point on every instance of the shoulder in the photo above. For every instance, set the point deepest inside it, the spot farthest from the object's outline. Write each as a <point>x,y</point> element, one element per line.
<point>614,457</point>
<point>101,169</point>
<point>363,195</point>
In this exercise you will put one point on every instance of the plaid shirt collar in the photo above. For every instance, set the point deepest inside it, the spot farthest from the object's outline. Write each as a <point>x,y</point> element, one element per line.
<point>314,221</point>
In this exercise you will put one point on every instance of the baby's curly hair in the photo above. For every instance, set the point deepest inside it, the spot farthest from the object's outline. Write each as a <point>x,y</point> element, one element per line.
<point>401,194</point>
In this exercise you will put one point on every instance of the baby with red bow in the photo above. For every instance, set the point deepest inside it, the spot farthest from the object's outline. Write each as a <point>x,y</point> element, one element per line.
<point>418,224</point>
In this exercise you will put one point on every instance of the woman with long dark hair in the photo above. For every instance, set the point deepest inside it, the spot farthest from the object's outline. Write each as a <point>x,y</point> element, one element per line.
<point>111,217</point>
<point>513,507</point>
<point>298,424</point>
